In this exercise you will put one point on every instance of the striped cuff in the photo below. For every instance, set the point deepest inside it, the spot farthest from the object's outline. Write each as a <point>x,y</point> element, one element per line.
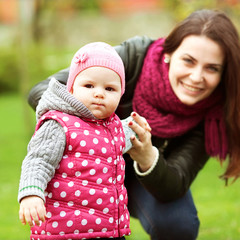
<point>30,191</point>
<point>142,174</point>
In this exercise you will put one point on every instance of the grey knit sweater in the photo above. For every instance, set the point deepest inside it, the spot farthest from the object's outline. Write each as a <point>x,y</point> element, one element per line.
<point>46,147</point>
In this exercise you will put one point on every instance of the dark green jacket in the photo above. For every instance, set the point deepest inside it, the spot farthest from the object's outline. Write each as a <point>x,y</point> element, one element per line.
<point>180,159</point>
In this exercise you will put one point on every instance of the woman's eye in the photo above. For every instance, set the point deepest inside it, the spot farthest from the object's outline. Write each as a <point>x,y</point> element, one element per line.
<point>213,69</point>
<point>188,60</point>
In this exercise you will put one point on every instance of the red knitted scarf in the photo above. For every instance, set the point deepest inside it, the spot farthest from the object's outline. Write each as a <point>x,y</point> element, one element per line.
<point>168,117</point>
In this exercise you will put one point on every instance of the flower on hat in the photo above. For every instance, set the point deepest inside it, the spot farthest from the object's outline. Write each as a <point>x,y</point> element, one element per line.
<point>81,58</point>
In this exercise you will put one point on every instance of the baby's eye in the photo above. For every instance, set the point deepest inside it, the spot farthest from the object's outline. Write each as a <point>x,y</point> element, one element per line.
<point>88,86</point>
<point>110,89</point>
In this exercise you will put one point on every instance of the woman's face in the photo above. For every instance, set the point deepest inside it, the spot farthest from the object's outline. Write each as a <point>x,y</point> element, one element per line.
<point>195,68</point>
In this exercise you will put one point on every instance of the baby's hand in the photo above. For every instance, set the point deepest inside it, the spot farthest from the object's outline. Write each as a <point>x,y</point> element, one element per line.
<point>32,209</point>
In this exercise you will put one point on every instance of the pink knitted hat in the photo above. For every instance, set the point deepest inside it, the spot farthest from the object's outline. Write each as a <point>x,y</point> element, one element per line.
<point>97,54</point>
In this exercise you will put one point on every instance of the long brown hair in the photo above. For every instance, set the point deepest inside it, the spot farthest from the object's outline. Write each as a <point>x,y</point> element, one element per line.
<point>217,26</point>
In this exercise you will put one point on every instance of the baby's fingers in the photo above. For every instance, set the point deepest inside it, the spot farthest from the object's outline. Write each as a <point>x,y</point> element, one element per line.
<point>28,217</point>
<point>34,216</point>
<point>21,217</point>
<point>42,213</point>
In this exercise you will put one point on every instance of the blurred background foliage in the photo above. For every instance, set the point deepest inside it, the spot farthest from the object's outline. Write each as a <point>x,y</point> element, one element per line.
<point>39,37</point>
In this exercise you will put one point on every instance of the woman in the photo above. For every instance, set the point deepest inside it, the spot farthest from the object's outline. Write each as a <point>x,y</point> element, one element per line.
<point>187,87</point>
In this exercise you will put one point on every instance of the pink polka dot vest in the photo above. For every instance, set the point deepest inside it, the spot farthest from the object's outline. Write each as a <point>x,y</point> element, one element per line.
<point>86,197</point>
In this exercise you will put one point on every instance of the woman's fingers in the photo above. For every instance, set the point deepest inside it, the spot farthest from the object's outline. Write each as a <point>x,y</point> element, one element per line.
<point>141,121</point>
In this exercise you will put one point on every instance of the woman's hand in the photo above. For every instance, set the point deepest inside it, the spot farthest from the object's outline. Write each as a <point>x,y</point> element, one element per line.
<point>32,209</point>
<point>142,151</point>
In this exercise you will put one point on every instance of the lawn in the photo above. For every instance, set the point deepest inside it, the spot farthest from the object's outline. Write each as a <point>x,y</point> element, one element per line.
<point>218,206</point>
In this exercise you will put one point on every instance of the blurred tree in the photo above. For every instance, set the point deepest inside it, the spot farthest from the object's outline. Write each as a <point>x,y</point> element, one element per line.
<point>26,13</point>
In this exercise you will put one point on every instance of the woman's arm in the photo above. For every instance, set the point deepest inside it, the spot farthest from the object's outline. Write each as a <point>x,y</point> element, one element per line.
<point>169,173</point>
<point>177,166</point>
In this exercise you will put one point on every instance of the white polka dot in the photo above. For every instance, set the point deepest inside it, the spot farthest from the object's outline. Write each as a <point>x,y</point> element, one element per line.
<point>85,182</point>
<point>85,202</point>
<point>105,170</point>
<point>110,180</point>
<point>92,191</point>
<point>75,232</point>
<point>55,224</point>
<point>77,193</point>
<point>97,132</point>
<point>109,159</point>
<point>86,132</point>
<point>91,211</point>
<point>91,151</point>
<point>50,195</point>
<point>70,165</point>
<point>65,119</point>
<point>97,161</point>
<point>105,210</point>
<point>70,203</point>
<point>112,199</point>
<point>85,163</point>
<point>64,175</point>
<point>69,223</point>
<point>83,143</point>
<point>49,215</point>
<point>98,220</point>
<point>111,219</point>
<point>99,181</point>
<point>70,147</point>
<point>90,230</point>
<point>119,177</point>
<point>65,129</point>
<point>106,140</point>
<point>104,150</point>
<point>99,201</point>
<point>92,171</point>
<point>62,233</point>
<point>77,124</point>
<point>77,174</point>
<point>73,135</point>
<point>56,184</point>
<point>121,197</point>
<point>63,194</point>
<point>84,222</point>
<point>105,190</point>
<point>77,154</point>
<point>95,141</point>
<point>116,139</point>
<point>116,130</point>
<point>77,212</point>
<point>62,213</point>
<point>70,184</point>
<point>65,156</point>
<point>104,230</point>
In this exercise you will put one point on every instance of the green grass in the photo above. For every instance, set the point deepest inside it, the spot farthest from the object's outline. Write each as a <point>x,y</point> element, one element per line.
<point>218,206</point>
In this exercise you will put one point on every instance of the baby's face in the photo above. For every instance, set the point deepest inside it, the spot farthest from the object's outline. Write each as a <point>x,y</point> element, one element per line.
<point>99,89</point>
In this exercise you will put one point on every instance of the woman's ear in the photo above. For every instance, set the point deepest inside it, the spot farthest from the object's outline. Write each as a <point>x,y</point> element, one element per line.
<point>167,58</point>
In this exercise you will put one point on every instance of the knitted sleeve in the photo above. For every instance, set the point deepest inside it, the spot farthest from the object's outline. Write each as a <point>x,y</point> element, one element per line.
<point>128,133</point>
<point>45,151</point>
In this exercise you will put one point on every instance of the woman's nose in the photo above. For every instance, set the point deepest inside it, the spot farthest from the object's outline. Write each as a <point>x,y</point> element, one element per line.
<point>196,75</point>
